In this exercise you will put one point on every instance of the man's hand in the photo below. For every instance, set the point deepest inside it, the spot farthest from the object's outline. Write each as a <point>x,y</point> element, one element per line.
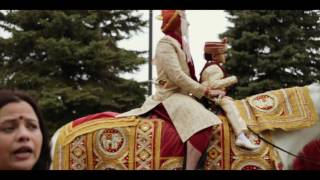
<point>212,94</point>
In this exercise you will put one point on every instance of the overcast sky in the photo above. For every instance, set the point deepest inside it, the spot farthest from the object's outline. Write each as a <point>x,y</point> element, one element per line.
<point>205,25</point>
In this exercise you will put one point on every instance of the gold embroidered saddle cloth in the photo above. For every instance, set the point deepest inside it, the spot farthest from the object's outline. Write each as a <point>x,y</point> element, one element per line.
<point>223,154</point>
<point>287,109</point>
<point>109,143</point>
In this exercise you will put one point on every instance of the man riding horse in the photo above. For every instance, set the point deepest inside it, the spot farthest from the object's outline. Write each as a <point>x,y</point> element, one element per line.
<point>177,88</point>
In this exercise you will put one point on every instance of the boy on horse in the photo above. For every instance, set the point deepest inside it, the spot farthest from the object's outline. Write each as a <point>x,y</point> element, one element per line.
<point>215,76</point>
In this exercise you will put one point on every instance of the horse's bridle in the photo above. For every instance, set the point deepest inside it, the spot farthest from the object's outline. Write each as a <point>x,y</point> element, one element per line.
<point>297,156</point>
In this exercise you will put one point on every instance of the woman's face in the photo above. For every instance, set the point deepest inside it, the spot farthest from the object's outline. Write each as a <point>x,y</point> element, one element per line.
<point>20,137</point>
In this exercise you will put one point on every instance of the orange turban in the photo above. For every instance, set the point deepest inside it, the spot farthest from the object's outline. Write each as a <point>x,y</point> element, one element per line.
<point>170,20</point>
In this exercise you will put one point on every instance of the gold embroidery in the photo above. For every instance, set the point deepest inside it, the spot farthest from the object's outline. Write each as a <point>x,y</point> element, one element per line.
<point>224,155</point>
<point>109,147</point>
<point>70,132</point>
<point>172,163</point>
<point>288,109</point>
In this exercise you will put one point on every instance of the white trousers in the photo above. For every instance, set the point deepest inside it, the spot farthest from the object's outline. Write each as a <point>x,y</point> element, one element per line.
<point>233,115</point>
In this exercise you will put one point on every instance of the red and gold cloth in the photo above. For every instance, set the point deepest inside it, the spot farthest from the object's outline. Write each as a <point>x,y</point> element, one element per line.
<point>223,154</point>
<point>287,109</point>
<point>117,143</point>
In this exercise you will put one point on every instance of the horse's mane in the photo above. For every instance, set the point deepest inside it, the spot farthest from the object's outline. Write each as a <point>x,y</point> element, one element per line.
<point>311,151</point>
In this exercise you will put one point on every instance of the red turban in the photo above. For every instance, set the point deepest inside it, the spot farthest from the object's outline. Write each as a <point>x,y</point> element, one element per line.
<point>170,20</point>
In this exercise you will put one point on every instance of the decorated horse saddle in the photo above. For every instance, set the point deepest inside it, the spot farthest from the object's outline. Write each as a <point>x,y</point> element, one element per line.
<point>287,109</point>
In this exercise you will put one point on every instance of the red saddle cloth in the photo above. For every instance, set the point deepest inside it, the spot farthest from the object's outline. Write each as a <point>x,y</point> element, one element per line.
<point>93,116</point>
<point>171,144</point>
<point>145,143</point>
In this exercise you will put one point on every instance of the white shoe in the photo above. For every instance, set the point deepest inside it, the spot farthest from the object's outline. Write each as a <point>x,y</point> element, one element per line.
<point>243,141</point>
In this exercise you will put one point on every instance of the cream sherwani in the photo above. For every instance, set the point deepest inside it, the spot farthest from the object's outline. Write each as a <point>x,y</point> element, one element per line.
<point>213,76</point>
<point>173,88</point>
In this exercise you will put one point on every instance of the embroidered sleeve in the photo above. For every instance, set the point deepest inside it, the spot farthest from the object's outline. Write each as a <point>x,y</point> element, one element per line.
<point>213,76</point>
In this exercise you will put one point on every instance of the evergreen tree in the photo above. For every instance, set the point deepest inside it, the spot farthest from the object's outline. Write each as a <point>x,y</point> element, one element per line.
<point>272,49</point>
<point>69,61</point>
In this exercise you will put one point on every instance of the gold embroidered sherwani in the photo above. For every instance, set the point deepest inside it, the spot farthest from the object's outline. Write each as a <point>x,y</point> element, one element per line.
<point>173,88</point>
<point>213,76</point>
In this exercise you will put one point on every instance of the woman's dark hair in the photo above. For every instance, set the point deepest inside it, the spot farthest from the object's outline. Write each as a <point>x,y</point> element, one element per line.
<point>9,96</point>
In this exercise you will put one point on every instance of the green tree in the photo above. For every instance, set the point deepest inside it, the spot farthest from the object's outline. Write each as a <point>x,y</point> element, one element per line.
<point>69,60</point>
<point>272,49</point>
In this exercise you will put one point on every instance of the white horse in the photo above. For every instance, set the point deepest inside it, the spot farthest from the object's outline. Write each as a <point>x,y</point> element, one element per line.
<point>294,141</point>
<point>291,141</point>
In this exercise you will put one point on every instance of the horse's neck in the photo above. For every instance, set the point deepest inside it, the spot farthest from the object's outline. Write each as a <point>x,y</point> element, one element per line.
<point>294,141</point>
